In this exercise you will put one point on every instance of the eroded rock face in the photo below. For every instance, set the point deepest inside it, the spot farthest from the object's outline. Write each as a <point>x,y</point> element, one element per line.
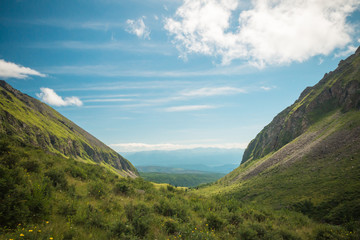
<point>339,89</point>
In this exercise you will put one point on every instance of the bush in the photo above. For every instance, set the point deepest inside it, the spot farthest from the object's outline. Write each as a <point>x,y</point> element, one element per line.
<point>97,189</point>
<point>214,221</point>
<point>140,218</point>
<point>171,226</point>
<point>58,179</point>
<point>77,172</point>
<point>31,166</point>
<point>122,187</point>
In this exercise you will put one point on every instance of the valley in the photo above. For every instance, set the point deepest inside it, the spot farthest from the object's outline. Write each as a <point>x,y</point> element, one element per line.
<point>299,178</point>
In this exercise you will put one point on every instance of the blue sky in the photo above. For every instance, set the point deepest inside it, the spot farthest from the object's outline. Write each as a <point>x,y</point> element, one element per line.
<point>173,74</point>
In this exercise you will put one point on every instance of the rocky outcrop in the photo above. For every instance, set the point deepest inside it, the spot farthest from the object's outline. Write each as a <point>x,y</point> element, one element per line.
<point>33,122</point>
<point>339,89</point>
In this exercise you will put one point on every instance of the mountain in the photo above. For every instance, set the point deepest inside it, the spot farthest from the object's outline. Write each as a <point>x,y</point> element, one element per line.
<point>199,159</point>
<point>308,158</point>
<point>338,90</point>
<point>32,122</point>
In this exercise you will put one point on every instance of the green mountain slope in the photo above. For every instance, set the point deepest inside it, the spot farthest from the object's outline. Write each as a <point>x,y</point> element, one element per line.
<point>308,158</point>
<point>337,90</point>
<point>33,122</point>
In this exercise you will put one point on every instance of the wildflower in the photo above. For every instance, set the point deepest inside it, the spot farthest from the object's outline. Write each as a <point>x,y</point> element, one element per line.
<point>21,235</point>
<point>51,238</point>
<point>30,230</point>
<point>39,231</point>
<point>47,222</point>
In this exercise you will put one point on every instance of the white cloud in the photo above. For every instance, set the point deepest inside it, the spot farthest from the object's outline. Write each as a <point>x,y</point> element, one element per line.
<point>138,28</point>
<point>109,100</point>
<point>50,97</point>
<point>189,108</point>
<point>344,53</point>
<point>265,88</point>
<point>12,70</point>
<point>137,147</point>
<point>270,32</point>
<point>214,91</point>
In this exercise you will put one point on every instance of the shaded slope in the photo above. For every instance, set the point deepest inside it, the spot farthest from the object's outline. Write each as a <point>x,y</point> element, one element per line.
<point>337,90</point>
<point>33,122</point>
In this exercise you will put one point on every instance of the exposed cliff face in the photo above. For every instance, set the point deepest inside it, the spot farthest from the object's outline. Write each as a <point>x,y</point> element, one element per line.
<point>339,89</point>
<point>33,122</point>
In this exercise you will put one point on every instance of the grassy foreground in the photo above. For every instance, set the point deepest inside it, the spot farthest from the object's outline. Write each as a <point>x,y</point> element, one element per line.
<point>46,196</point>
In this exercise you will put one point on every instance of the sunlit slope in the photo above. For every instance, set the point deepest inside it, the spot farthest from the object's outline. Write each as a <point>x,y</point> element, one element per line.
<point>308,157</point>
<point>33,122</point>
<point>337,90</point>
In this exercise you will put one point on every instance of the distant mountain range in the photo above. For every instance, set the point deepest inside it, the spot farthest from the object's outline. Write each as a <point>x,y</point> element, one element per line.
<point>200,159</point>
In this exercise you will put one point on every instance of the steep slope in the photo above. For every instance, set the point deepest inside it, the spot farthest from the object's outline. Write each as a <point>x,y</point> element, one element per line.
<point>337,90</point>
<point>308,157</point>
<point>33,122</point>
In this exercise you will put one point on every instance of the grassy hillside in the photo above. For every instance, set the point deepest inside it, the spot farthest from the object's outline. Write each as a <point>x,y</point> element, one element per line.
<point>35,123</point>
<point>46,196</point>
<point>317,174</point>
<point>181,179</point>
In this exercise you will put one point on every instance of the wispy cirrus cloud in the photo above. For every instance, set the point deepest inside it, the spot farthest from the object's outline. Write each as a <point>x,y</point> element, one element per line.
<point>187,108</point>
<point>212,91</point>
<point>74,24</point>
<point>13,70</point>
<point>49,96</point>
<point>116,71</point>
<point>138,28</point>
<point>138,147</point>
<point>267,33</point>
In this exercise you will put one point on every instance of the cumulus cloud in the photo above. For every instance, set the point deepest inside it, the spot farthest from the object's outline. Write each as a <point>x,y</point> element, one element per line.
<point>138,28</point>
<point>49,96</point>
<point>12,70</point>
<point>188,108</point>
<point>214,91</point>
<point>269,32</point>
<point>137,147</point>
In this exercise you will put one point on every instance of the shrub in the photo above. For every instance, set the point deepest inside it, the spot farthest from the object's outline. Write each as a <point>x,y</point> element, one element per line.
<point>58,179</point>
<point>31,165</point>
<point>122,187</point>
<point>97,189</point>
<point>140,218</point>
<point>171,226</point>
<point>214,221</point>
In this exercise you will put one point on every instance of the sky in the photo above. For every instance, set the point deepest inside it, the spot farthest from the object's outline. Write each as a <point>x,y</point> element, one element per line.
<point>173,74</point>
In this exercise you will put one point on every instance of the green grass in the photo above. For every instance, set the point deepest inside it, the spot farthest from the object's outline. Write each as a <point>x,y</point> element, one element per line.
<point>323,186</point>
<point>47,196</point>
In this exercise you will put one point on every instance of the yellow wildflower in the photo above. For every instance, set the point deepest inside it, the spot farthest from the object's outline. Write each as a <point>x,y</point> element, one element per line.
<point>30,230</point>
<point>39,231</point>
<point>47,222</point>
<point>21,235</point>
<point>51,238</point>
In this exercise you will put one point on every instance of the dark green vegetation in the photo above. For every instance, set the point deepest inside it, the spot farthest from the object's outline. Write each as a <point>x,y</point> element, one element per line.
<point>33,122</point>
<point>46,196</point>
<point>181,179</point>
